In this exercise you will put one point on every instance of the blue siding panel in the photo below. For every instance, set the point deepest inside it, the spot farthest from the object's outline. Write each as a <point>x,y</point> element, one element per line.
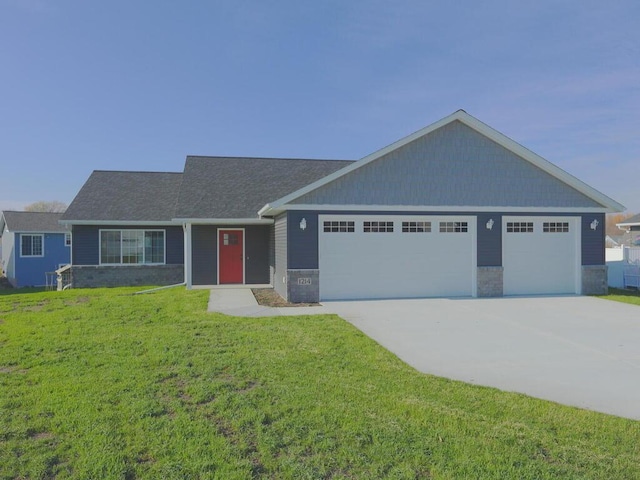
<point>305,255</point>
<point>489,240</point>
<point>30,271</point>
<point>593,244</point>
<point>85,245</point>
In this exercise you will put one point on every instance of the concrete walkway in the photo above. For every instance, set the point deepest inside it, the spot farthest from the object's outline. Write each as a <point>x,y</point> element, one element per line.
<point>240,302</point>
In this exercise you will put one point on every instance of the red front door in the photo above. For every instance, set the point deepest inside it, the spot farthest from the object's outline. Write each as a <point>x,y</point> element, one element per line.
<point>230,256</point>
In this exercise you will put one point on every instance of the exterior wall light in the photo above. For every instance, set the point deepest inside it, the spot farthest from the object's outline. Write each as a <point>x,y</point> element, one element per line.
<point>594,225</point>
<point>490,224</point>
<point>303,224</point>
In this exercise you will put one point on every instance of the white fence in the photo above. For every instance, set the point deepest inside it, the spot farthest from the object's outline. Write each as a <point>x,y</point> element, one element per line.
<point>622,264</point>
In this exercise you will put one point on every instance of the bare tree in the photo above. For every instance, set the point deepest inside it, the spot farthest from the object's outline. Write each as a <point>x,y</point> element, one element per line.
<point>614,218</point>
<point>53,206</point>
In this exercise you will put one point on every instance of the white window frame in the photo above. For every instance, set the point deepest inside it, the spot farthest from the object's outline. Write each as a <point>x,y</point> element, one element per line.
<point>67,239</point>
<point>41,235</point>
<point>144,231</point>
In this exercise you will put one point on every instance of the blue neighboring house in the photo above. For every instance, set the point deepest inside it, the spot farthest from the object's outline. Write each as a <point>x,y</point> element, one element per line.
<point>33,243</point>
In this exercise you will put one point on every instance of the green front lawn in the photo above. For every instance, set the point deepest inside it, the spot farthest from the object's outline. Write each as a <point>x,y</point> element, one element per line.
<point>625,296</point>
<point>100,384</point>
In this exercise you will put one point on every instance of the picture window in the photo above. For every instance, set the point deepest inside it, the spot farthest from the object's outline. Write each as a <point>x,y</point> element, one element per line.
<point>127,247</point>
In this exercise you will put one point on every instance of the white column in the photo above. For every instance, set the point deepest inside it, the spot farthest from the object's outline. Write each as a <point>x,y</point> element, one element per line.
<point>187,255</point>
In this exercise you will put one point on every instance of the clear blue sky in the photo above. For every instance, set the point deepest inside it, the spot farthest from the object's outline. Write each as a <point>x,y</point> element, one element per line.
<point>138,85</point>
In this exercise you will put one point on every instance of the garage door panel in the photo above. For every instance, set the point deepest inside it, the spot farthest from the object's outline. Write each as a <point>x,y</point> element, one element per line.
<point>539,262</point>
<point>396,264</point>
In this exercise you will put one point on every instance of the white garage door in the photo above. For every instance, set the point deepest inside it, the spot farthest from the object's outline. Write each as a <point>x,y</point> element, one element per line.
<point>396,256</point>
<point>541,255</point>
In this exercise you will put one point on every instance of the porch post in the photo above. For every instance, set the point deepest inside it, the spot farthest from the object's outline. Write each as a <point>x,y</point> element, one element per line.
<point>187,255</point>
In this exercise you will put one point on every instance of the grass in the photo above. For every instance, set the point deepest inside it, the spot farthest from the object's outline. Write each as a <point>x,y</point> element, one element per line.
<point>100,384</point>
<point>625,296</point>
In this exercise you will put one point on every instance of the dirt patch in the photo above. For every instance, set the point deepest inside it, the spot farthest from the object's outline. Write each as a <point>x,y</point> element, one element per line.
<point>270,298</point>
<point>9,369</point>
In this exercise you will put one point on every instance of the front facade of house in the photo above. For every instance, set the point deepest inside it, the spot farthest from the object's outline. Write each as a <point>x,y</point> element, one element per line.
<point>454,210</point>
<point>33,244</point>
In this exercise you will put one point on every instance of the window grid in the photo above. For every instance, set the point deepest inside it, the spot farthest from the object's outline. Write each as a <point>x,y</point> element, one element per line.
<point>454,227</point>
<point>132,247</point>
<point>342,226</point>
<point>67,239</point>
<point>378,227</point>
<point>416,227</point>
<point>519,227</point>
<point>31,245</point>
<point>555,227</point>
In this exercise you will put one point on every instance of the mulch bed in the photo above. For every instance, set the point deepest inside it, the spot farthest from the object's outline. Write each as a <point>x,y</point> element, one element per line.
<point>270,298</point>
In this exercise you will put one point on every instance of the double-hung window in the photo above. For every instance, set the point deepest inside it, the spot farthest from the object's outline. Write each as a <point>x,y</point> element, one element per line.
<point>132,247</point>
<point>32,245</point>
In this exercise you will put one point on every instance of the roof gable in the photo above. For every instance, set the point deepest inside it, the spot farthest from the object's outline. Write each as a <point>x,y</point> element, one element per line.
<point>35,222</point>
<point>236,187</point>
<point>458,161</point>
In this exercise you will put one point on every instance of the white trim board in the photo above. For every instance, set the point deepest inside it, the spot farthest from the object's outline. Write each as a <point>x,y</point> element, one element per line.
<point>448,209</point>
<point>608,204</point>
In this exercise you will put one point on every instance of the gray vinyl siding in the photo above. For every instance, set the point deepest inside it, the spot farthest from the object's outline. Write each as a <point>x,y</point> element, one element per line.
<point>593,241</point>
<point>281,255</point>
<point>204,254</point>
<point>272,253</point>
<point>86,243</point>
<point>451,166</point>
<point>305,255</point>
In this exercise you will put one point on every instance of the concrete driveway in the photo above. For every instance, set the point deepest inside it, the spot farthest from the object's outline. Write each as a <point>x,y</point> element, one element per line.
<point>580,351</point>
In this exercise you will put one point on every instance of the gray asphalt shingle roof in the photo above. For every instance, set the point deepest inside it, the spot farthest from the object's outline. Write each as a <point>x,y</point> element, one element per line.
<point>126,196</point>
<point>231,187</point>
<point>634,219</point>
<point>209,187</point>
<point>33,221</point>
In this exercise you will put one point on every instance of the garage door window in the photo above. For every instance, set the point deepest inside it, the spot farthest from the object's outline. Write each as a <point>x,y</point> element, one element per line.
<point>519,227</point>
<point>375,227</point>
<point>555,227</point>
<point>339,226</point>
<point>454,227</point>
<point>416,227</point>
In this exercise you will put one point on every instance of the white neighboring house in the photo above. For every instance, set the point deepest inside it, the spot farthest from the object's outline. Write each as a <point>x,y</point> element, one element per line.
<point>623,261</point>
